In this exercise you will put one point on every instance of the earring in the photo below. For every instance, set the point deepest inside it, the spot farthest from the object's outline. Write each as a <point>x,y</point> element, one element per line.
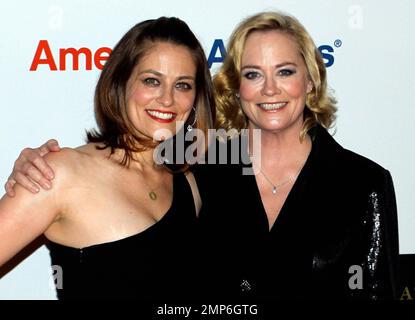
<point>237,95</point>
<point>190,126</point>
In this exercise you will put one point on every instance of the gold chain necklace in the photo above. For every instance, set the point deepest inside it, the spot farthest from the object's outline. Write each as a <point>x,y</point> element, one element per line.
<point>152,194</point>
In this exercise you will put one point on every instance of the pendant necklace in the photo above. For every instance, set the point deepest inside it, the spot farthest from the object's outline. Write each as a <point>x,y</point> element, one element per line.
<point>152,194</point>
<point>275,187</point>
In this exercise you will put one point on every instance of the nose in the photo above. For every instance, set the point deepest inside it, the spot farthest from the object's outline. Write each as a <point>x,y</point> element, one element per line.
<point>270,87</point>
<point>166,97</point>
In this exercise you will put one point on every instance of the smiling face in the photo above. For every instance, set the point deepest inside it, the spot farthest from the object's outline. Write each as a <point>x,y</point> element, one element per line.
<point>162,89</point>
<point>274,82</point>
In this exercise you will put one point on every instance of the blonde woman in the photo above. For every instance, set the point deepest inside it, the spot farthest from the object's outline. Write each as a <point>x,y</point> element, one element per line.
<point>316,220</point>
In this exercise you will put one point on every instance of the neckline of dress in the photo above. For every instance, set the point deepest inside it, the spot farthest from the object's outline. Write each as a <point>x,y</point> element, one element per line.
<point>134,235</point>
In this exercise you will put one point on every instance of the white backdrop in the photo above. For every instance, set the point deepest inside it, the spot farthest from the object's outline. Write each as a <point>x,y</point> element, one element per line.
<point>372,75</point>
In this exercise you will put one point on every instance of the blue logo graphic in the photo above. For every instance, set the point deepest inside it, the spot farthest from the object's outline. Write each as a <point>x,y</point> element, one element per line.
<point>217,44</point>
<point>218,52</point>
<point>326,53</point>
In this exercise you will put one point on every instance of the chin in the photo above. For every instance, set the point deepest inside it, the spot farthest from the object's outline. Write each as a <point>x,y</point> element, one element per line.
<point>270,126</point>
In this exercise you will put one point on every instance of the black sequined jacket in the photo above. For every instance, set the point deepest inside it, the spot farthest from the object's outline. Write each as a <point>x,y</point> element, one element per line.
<point>336,236</point>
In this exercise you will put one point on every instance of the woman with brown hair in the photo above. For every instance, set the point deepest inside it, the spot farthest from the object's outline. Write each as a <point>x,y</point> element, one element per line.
<point>118,224</point>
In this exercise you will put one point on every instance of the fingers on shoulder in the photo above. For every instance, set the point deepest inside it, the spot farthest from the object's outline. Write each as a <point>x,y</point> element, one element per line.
<point>63,162</point>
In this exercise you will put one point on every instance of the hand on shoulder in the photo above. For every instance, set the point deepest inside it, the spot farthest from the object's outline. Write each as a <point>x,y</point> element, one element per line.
<point>64,164</point>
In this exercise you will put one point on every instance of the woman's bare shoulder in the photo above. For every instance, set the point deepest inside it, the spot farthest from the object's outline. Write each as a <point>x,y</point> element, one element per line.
<point>63,158</point>
<point>67,156</point>
<point>92,149</point>
<point>69,162</point>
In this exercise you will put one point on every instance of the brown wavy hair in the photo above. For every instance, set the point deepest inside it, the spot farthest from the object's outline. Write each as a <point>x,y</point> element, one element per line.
<point>320,105</point>
<point>115,130</point>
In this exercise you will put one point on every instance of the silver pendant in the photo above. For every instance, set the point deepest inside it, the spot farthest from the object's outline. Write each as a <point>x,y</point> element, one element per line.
<point>152,195</point>
<point>274,190</point>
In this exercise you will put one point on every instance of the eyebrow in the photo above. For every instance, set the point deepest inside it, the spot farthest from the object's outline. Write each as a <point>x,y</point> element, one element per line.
<point>150,71</point>
<point>251,66</point>
<point>159,74</point>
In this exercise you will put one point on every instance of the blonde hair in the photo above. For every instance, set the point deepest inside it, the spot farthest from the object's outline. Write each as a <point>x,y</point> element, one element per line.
<point>320,105</point>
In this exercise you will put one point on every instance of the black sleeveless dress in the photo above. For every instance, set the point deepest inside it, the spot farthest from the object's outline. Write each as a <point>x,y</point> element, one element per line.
<point>155,264</point>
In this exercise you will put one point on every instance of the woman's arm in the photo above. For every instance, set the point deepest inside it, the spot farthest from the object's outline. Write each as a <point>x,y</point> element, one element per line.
<point>26,216</point>
<point>31,170</point>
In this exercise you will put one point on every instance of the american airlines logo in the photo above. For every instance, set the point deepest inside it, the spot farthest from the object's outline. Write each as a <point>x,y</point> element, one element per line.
<point>71,58</point>
<point>44,56</point>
